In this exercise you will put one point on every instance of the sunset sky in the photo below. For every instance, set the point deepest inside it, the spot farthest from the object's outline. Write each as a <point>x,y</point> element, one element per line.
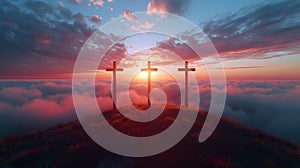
<point>258,42</point>
<point>256,39</point>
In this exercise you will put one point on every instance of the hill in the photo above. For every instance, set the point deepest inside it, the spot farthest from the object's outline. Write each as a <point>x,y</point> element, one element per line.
<point>231,145</point>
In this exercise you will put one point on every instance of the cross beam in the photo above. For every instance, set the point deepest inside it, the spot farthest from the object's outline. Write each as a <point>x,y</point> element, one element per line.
<point>186,69</point>
<point>114,69</point>
<point>149,69</point>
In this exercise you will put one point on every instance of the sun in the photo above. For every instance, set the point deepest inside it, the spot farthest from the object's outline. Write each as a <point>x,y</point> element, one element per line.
<point>143,75</point>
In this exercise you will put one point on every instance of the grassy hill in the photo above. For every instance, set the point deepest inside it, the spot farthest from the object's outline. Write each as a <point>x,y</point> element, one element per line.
<point>231,145</point>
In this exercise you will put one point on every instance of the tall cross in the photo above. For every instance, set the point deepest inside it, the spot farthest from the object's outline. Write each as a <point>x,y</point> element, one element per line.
<point>114,69</point>
<point>149,69</point>
<point>186,69</point>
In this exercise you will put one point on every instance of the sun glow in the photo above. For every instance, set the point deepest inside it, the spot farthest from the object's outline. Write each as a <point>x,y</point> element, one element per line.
<point>143,75</point>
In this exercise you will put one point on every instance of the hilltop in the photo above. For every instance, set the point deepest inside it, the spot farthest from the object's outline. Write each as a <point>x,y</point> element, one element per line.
<point>231,145</point>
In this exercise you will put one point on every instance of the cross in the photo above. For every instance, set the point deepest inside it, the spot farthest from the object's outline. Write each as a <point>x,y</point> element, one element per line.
<point>149,69</point>
<point>114,69</point>
<point>186,69</point>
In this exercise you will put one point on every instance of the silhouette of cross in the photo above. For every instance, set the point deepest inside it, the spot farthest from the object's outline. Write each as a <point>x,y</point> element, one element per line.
<point>114,69</point>
<point>149,69</point>
<point>186,70</point>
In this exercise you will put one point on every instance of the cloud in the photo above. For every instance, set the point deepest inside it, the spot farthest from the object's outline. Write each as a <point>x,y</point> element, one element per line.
<point>270,106</point>
<point>130,16</point>
<point>44,41</point>
<point>41,36</point>
<point>47,108</point>
<point>116,53</point>
<point>177,7</point>
<point>31,105</point>
<point>18,94</point>
<point>259,32</point>
<point>169,86</point>
<point>242,67</point>
<point>61,4</point>
<point>98,2</point>
<point>141,27</point>
<point>75,1</point>
<point>166,52</point>
<point>97,19</point>
<point>179,48</point>
<point>40,8</point>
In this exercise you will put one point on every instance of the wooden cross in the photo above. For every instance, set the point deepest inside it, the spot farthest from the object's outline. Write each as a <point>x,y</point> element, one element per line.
<point>186,70</point>
<point>149,69</point>
<point>114,69</point>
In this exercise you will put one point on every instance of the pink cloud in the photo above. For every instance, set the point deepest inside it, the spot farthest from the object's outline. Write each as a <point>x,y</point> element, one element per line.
<point>49,107</point>
<point>45,41</point>
<point>130,16</point>
<point>157,6</point>
<point>43,107</point>
<point>144,26</point>
<point>98,2</point>
<point>171,6</point>
<point>55,85</point>
<point>19,93</point>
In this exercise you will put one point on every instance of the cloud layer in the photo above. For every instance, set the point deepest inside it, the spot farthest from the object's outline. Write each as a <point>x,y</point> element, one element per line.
<point>269,106</point>
<point>31,105</point>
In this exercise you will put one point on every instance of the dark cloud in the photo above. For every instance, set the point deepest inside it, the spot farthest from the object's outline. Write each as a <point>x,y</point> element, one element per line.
<point>40,36</point>
<point>65,14</point>
<point>255,31</point>
<point>40,8</point>
<point>172,6</point>
<point>97,19</point>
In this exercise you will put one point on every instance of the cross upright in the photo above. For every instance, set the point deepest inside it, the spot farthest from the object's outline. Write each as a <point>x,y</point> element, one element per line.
<point>186,69</point>
<point>149,69</point>
<point>114,69</point>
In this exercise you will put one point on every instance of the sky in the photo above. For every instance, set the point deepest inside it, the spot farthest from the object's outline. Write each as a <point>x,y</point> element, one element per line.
<point>257,40</point>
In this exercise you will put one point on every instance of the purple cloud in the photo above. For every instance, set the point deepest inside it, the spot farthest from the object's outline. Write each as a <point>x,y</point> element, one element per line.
<point>255,32</point>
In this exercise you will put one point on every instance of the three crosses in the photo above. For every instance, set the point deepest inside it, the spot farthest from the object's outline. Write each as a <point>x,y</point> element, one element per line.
<point>114,69</point>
